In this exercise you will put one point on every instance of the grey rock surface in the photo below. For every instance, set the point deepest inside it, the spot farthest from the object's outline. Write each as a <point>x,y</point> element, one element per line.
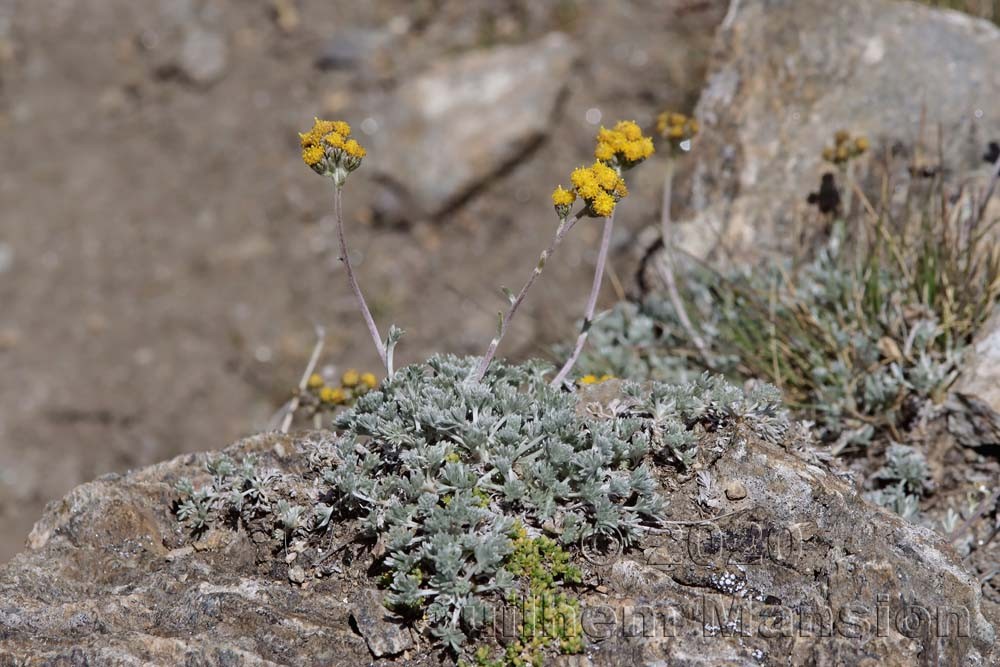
<point>467,119</point>
<point>787,74</point>
<point>110,578</point>
<point>975,401</point>
<point>385,635</point>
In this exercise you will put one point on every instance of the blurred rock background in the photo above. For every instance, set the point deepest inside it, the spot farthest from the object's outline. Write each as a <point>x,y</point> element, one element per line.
<point>164,254</point>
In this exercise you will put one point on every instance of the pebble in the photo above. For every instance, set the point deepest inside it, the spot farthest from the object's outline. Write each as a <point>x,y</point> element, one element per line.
<point>736,490</point>
<point>204,56</point>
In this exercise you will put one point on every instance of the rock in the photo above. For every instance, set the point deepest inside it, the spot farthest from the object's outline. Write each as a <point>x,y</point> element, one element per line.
<point>736,490</point>
<point>108,579</point>
<point>974,403</point>
<point>351,48</point>
<point>385,636</point>
<point>788,73</point>
<point>297,574</point>
<point>465,120</point>
<point>103,582</point>
<point>754,583</point>
<point>203,56</point>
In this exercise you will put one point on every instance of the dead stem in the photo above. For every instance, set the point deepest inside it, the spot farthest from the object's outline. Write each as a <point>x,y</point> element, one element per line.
<point>666,267</point>
<point>293,405</point>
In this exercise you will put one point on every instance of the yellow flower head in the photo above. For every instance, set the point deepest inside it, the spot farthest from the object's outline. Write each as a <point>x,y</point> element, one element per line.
<point>629,130</point>
<point>624,144</point>
<point>315,381</point>
<point>612,138</point>
<point>845,148</point>
<point>638,150</point>
<point>603,204</point>
<point>561,197</point>
<point>334,140</point>
<point>676,127</point>
<point>585,182</point>
<point>593,379</point>
<point>606,176</point>
<point>313,155</point>
<point>354,149</point>
<point>604,151</point>
<point>369,380</point>
<point>351,378</point>
<point>333,396</point>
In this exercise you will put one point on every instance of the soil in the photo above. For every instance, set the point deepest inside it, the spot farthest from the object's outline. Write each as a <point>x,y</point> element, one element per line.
<point>164,254</point>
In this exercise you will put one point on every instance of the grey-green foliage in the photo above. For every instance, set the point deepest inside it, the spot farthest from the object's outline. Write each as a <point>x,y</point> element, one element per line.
<point>850,345</point>
<point>439,469</point>
<point>907,477</point>
<point>442,467</point>
<point>244,491</point>
<point>670,411</point>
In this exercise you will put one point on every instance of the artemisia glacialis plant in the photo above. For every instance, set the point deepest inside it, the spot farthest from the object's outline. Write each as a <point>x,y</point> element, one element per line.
<point>448,477</point>
<point>468,481</point>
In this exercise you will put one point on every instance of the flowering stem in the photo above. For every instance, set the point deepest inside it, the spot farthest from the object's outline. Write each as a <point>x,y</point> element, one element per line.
<point>588,318</point>
<point>345,257</point>
<point>666,267</point>
<point>565,224</point>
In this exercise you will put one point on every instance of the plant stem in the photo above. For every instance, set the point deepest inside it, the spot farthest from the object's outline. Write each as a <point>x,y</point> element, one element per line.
<point>565,224</point>
<point>588,317</point>
<point>666,267</point>
<point>293,405</point>
<point>345,257</point>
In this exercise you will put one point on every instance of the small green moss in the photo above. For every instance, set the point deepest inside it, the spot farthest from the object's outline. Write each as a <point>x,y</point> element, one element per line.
<point>550,616</point>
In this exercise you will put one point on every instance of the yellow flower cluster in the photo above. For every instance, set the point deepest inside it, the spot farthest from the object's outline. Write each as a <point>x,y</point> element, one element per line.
<point>623,144</point>
<point>845,148</point>
<point>600,186</point>
<point>676,127</point>
<point>352,385</point>
<point>328,149</point>
<point>590,379</point>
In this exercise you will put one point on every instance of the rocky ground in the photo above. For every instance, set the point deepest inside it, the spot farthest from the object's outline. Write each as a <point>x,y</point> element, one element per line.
<point>164,254</point>
<point>796,566</point>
